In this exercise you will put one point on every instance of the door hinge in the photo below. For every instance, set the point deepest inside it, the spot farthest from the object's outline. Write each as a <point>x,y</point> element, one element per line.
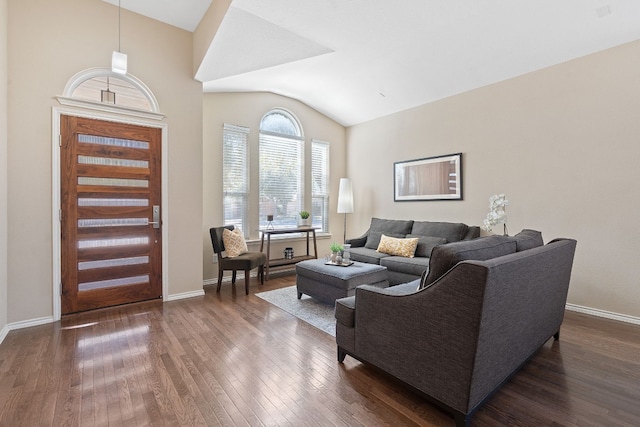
<point>61,292</point>
<point>60,140</point>
<point>60,214</point>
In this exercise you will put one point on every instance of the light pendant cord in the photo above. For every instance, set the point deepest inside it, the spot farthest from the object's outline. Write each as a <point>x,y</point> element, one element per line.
<point>119,12</point>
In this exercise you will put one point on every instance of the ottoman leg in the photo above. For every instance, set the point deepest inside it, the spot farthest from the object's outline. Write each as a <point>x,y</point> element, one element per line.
<point>299,295</point>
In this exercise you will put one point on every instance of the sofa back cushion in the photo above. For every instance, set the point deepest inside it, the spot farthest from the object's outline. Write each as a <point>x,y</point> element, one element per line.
<point>453,232</point>
<point>390,227</point>
<point>444,257</point>
<point>528,239</point>
<point>426,244</point>
<point>374,237</point>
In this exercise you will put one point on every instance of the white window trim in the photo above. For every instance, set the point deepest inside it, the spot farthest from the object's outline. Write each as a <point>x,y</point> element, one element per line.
<point>67,98</point>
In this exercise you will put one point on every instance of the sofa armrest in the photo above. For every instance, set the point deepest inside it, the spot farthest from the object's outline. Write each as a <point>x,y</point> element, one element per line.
<point>358,242</point>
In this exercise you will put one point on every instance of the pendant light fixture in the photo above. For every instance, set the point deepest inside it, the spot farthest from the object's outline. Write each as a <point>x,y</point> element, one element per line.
<point>119,59</point>
<point>107,96</point>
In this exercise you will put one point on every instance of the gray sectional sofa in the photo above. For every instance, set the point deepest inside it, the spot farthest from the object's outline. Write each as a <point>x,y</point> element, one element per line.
<point>404,269</point>
<point>485,307</point>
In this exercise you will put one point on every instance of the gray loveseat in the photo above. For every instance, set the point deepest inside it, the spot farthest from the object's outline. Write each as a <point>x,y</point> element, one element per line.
<point>472,326</point>
<point>403,269</point>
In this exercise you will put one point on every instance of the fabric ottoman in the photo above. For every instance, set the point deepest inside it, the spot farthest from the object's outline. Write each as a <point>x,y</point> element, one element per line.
<point>330,282</point>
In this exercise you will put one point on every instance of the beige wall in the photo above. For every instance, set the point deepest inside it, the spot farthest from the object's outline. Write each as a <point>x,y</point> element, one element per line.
<point>561,143</point>
<point>247,109</point>
<point>49,42</point>
<point>3,164</point>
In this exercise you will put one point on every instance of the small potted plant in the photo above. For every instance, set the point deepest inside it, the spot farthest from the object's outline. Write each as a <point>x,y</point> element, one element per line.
<point>336,252</point>
<point>304,218</point>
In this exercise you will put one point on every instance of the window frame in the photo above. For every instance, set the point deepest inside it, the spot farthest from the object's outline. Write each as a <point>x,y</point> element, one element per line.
<point>284,216</point>
<point>244,133</point>
<point>308,195</point>
<point>325,195</point>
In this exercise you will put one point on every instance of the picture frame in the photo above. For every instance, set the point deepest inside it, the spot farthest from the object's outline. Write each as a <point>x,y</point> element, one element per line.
<point>429,178</point>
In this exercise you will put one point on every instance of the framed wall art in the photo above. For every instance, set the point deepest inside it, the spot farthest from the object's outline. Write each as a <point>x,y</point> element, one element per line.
<point>431,178</point>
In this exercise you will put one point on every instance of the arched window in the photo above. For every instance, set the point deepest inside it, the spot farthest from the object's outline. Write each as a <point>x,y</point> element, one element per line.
<point>281,175</point>
<point>281,169</point>
<point>282,123</point>
<point>101,88</point>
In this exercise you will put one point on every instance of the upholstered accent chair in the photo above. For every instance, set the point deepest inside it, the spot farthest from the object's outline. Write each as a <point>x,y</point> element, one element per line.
<point>244,262</point>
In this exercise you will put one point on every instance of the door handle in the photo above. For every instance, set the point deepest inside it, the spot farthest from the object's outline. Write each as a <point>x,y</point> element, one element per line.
<point>156,217</point>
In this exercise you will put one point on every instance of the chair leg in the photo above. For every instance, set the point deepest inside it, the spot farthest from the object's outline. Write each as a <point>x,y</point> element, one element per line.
<point>247,277</point>
<point>261,274</point>
<point>220,271</point>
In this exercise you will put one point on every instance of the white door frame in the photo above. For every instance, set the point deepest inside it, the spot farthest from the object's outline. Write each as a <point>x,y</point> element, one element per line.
<point>109,115</point>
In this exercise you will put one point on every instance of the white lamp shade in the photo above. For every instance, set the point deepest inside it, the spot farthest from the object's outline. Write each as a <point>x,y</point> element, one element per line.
<point>345,196</point>
<point>119,62</point>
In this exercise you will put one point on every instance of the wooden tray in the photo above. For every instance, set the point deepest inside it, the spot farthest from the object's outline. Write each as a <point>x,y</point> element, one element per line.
<point>344,264</point>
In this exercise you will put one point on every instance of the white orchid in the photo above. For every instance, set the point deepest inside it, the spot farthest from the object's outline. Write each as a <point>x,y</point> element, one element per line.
<point>497,212</point>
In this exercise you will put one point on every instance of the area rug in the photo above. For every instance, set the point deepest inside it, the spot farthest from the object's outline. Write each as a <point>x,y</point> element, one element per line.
<point>308,309</point>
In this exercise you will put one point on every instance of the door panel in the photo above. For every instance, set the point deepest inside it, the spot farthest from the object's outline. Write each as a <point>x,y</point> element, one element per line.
<point>110,182</point>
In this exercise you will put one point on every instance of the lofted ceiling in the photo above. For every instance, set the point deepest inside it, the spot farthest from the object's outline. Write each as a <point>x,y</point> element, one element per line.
<point>356,60</point>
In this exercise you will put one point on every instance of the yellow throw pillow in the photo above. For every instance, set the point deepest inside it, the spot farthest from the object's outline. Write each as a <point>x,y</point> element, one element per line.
<point>398,247</point>
<point>234,243</point>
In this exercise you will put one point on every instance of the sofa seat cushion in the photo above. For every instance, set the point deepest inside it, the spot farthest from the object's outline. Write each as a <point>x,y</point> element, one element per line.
<point>367,255</point>
<point>414,266</point>
<point>453,232</point>
<point>345,312</point>
<point>426,244</point>
<point>444,257</point>
<point>528,239</point>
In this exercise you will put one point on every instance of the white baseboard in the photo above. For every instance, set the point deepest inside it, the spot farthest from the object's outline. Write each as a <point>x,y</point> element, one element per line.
<point>24,324</point>
<point>227,279</point>
<point>602,313</point>
<point>3,333</point>
<point>184,295</point>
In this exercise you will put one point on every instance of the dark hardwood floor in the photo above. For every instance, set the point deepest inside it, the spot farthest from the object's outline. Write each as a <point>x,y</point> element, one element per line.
<point>230,359</point>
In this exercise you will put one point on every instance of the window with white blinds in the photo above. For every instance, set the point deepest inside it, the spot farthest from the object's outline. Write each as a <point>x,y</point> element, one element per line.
<point>320,185</point>
<point>282,174</point>
<point>281,179</point>
<point>235,176</point>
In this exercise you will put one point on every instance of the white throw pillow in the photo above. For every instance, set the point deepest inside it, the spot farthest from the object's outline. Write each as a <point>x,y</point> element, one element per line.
<point>234,243</point>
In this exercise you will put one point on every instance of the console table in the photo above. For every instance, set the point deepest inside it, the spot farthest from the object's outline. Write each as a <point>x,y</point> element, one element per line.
<point>279,262</point>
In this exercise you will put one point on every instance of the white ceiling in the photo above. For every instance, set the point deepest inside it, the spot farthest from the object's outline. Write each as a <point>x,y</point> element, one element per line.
<point>356,60</point>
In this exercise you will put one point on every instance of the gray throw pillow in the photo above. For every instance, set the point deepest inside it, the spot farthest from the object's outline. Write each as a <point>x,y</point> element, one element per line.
<point>528,239</point>
<point>426,244</point>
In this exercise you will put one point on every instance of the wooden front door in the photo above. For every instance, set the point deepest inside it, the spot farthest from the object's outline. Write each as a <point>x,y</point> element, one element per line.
<point>110,214</point>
